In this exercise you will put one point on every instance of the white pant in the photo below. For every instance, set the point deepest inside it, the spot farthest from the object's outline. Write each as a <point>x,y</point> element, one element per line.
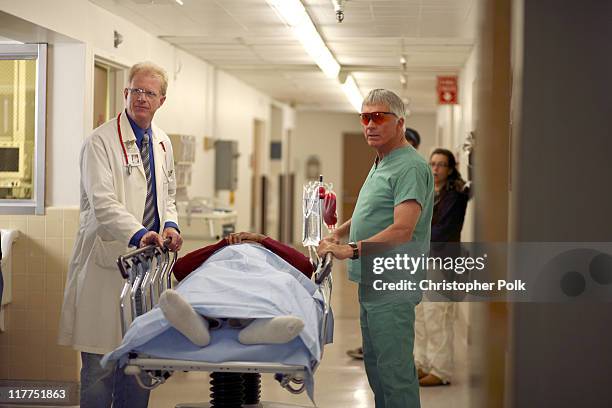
<point>433,342</point>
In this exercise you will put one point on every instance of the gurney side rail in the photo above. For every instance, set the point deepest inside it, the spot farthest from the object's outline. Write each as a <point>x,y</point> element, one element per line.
<point>142,286</point>
<point>229,367</point>
<point>324,269</point>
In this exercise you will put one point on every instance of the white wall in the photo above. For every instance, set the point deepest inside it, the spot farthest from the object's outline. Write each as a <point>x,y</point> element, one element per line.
<point>320,134</point>
<point>425,124</point>
<point>469,119</point>
<point>448,127</point>
<point>197,120</point>
<point>65,122</point>
<point>453,124</point>
<point>455,121</point>
<point>237,107</point>
<point>468,93</point>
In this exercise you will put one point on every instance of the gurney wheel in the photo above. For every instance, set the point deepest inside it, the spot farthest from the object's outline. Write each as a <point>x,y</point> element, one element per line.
<point>227,390</point>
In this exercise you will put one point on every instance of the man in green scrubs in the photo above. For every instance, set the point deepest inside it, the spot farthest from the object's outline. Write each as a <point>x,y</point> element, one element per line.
<point>394,208</point>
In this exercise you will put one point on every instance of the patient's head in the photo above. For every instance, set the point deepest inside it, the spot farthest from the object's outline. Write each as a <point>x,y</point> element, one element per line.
<point>242,237</point>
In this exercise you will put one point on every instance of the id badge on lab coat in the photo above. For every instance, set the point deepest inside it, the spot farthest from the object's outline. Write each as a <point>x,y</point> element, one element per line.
<point>134,159</point>
<point>169,175</point>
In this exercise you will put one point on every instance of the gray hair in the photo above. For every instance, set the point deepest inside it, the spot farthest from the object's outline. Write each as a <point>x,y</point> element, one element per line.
<point>151,69</point>
<point>384,96</point>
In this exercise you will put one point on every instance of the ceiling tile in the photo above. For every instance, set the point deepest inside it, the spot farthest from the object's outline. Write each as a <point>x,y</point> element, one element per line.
<point>246,38</point>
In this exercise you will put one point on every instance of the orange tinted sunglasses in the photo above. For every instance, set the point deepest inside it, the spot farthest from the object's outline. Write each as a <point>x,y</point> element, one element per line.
<point>376,117</point>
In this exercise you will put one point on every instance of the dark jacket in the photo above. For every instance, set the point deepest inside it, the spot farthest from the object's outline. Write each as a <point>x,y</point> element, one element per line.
<point>447,221</point>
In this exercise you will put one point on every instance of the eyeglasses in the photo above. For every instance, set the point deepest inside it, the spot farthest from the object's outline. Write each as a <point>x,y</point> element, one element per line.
<point>138,91</point>
<point>438,164</point>
<point>376,117</point>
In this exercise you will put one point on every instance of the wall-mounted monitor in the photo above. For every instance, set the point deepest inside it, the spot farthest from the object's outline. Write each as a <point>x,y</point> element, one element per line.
<point>11,160</point>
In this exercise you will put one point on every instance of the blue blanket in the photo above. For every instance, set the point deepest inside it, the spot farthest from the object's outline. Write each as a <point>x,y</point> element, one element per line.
<point>239,281</point>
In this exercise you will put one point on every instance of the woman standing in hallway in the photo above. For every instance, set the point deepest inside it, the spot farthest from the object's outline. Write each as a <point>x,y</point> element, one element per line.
<point>434,320</point>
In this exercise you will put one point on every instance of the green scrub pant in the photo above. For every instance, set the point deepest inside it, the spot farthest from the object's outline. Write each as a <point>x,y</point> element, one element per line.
<point>387,328</point>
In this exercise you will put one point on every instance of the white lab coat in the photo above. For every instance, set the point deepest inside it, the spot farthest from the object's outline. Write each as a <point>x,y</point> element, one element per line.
<point>111,210</point>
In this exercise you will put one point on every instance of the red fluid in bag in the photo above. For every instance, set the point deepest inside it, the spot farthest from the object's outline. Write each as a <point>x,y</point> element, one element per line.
<point>329,209</point>
<point>321,192</point>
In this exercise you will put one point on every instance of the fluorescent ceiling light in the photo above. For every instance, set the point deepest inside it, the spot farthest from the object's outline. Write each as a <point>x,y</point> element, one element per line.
<point>180,2</point>
<point>293,13</point>
<point>352,92</point>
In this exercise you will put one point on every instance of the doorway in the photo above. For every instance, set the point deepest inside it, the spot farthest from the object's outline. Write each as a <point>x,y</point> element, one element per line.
<point>357,161</point>
<point>258,180</point>
<point>109,79</point>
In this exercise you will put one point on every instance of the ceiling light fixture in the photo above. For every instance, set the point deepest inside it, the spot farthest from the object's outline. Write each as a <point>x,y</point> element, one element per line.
<point>180,2</point>
<point>293,13</point>
<point>352,92</point>
<point>403,79</point>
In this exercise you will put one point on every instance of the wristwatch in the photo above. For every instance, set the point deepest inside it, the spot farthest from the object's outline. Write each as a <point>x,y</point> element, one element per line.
<point>355,250</point>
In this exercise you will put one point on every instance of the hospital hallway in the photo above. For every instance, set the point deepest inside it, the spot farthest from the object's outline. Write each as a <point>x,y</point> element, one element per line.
<point>340,381</point>
<point>479,125</point>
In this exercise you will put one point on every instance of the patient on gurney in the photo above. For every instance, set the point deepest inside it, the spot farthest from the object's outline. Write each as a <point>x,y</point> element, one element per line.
<point>184,318</point>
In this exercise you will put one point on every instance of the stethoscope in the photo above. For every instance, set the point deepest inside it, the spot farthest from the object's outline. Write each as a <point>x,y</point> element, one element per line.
<point>130,164</point>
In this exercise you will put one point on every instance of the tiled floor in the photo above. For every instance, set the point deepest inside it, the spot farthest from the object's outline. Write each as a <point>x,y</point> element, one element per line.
<point>339,382</point>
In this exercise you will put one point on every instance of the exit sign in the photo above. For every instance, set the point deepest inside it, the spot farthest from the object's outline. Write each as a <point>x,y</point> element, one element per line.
<point>447,90</point>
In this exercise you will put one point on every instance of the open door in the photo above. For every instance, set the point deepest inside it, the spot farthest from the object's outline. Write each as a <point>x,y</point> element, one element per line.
<point>358,158</point>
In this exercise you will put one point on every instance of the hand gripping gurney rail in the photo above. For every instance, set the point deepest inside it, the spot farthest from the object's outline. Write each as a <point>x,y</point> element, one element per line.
<point>235,382</point>
<point>147,272</point>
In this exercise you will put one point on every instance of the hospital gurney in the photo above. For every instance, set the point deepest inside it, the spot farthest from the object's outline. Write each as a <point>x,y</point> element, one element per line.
<point>235,381</point>
<point>147,274</point>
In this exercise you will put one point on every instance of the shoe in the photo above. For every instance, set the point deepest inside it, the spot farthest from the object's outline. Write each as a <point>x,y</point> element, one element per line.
<point>431,380</point>
<point>421,373</point>
<point>356,353</point>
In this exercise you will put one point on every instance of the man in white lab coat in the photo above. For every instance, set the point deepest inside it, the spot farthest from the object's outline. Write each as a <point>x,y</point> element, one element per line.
<point>127,199</point>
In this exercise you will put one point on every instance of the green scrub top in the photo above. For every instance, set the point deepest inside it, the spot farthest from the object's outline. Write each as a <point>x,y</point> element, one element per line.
<point>400,176</point>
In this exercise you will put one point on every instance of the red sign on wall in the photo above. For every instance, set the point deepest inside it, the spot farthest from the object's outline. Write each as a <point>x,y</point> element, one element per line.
<point>447,90</point>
